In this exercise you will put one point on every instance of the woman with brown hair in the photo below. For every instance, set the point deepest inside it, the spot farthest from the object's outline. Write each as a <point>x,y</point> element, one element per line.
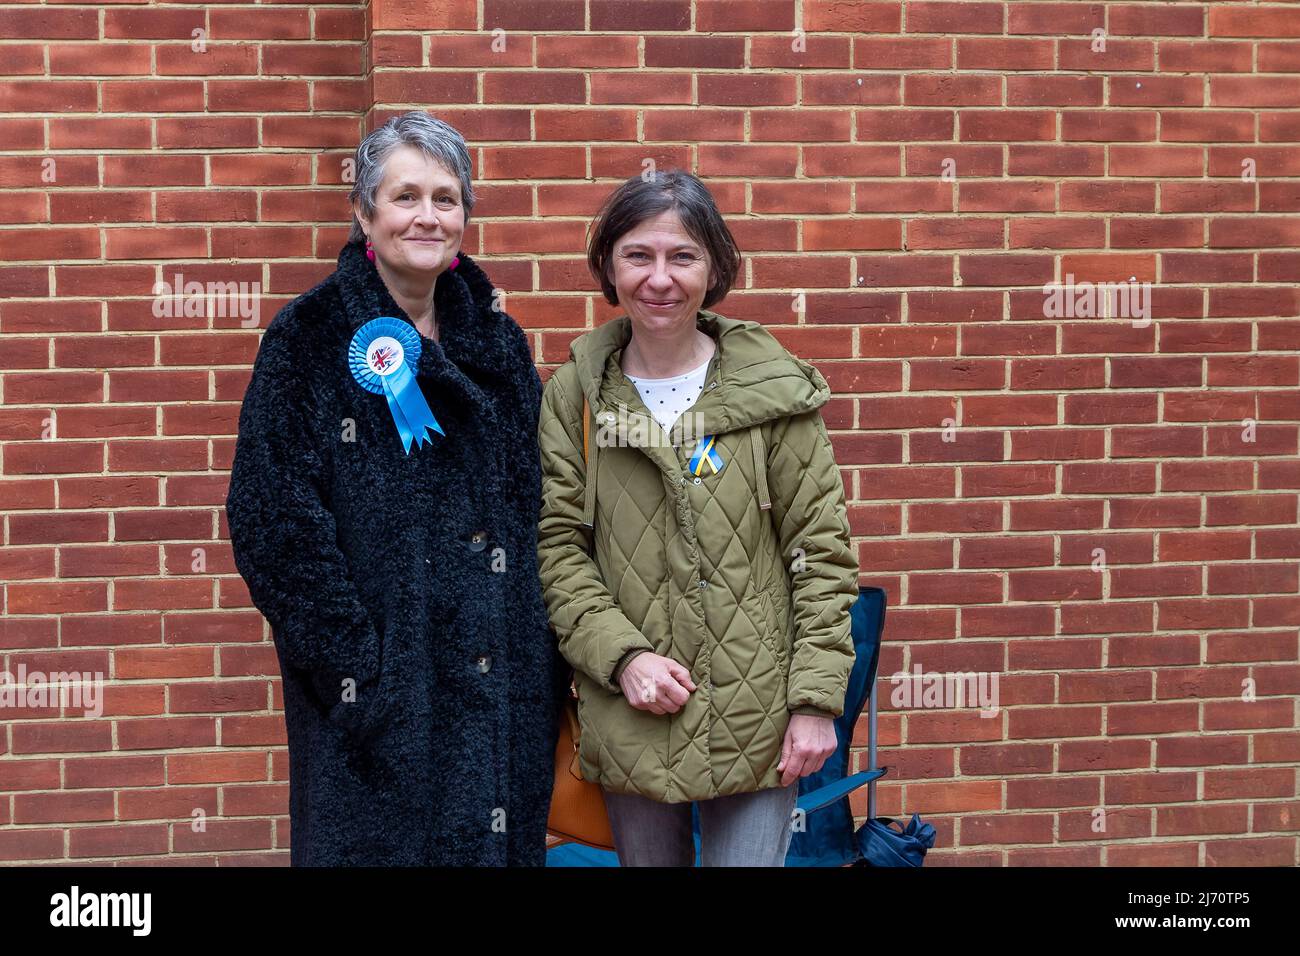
<point>693,544</point>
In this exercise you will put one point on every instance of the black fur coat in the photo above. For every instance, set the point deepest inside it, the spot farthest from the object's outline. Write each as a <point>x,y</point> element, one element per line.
<point>410,578</point>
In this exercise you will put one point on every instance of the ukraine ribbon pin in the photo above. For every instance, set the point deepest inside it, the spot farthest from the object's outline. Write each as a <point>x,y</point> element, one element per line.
<point>705,453</point>
<point>381,356</point>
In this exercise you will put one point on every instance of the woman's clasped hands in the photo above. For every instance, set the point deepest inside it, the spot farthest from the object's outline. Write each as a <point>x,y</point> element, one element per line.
<point>661,685</point>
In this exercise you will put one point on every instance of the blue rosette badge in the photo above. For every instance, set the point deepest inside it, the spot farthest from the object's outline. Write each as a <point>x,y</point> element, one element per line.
<point>381,356</point>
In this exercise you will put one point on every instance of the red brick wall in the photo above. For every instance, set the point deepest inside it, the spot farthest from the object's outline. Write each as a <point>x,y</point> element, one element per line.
<point>1102,514</point>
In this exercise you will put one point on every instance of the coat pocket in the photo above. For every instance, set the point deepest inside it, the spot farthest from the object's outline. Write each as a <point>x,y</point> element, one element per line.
<point>370,711</point>
<point>588,741</point>
<point>774,632</point>
<point>581,703</point>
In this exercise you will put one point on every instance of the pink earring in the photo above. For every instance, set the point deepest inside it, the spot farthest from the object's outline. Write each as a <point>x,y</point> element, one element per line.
<point>370,251</point>
<point>455,262</point>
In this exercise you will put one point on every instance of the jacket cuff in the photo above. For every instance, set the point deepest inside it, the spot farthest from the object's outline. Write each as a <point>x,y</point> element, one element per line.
<point>814,711</point>
<point>598,643</point>
<point>625,660</point>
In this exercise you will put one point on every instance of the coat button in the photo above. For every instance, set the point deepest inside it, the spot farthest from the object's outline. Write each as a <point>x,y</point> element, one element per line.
<point>703,584</point>
<point>478,541</point>
<point>484,663</point>
<point>697,479</point>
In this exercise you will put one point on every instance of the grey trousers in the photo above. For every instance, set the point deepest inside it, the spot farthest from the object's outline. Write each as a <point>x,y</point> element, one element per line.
<point>742,829</point>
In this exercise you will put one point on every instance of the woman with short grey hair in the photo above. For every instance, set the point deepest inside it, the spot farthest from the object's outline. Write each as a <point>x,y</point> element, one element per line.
<point>383,511</point>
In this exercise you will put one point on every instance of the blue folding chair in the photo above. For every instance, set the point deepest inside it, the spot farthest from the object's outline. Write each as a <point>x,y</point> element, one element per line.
<point>824,834</point>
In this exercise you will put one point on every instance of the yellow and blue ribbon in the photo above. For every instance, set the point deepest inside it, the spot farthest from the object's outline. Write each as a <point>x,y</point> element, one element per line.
<point>705,452</point>
<point>381,356</point>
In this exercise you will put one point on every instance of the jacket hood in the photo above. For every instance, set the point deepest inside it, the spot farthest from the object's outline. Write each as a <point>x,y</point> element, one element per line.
<point>752,379</point>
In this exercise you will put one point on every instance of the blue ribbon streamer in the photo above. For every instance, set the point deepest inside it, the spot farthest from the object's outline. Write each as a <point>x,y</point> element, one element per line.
<point>406,403</point>
<point>705,451</point>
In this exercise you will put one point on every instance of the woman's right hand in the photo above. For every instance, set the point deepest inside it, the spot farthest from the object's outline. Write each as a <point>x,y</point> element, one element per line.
<point>657,684</point>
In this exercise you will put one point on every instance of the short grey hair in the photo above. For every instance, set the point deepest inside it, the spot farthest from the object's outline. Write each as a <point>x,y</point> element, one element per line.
<point>437,140</point>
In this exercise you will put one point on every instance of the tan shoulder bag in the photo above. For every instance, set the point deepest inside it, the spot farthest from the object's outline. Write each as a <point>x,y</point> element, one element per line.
<point>577,806</point>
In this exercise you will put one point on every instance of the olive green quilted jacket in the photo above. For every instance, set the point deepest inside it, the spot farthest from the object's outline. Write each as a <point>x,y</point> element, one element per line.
<point>744,575</point>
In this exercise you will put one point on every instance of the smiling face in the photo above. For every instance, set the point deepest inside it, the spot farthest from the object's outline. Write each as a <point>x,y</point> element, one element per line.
<point>419,220</point>
<point>660,275</point>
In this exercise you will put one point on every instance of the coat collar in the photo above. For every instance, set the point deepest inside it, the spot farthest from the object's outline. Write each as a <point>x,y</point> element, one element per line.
<point>752,379</point>
<point>474,340</point>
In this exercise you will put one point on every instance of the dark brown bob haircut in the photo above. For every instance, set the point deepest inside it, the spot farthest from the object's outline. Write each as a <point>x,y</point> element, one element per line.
<point>641,199</point>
